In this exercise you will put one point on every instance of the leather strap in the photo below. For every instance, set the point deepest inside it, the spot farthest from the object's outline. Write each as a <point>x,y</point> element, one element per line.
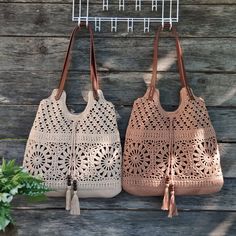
<point>180,60</point>
<point>93,66</point>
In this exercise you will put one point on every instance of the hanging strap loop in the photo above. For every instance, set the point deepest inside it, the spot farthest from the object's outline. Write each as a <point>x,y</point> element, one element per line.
<point>180,60</point>
<point>93,66</point>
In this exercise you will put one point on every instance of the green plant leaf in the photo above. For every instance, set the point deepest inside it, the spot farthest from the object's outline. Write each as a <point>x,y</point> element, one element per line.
<point>15,180</point>
<point>5,217</point>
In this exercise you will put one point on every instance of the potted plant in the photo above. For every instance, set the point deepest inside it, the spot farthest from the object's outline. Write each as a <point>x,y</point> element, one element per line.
<point>14,180</point>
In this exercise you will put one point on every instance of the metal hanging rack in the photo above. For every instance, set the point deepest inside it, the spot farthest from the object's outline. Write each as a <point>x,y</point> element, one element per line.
<point>158,11</point>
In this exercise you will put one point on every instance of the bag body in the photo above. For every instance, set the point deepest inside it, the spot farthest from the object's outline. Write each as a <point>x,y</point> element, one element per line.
<point>169,153</point>
<point>84,148</point>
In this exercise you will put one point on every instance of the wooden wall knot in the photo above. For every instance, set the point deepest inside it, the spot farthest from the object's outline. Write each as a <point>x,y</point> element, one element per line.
<point>43,49</point>
<point>41,19</point>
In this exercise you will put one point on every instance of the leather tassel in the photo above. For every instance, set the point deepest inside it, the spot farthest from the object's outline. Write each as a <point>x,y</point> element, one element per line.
<point>172,208</point>
<point>68,193</point>
<point>75,206</point>
<point>166,198</point>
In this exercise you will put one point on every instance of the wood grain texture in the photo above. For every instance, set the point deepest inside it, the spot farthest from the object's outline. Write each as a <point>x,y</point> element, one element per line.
<point>46,54</point>
<point>122,88</point>
<point>55,20</point>
<point>120,223</point>
<point>183,2</point>
<point>221,201</point>
<point>34,38</point>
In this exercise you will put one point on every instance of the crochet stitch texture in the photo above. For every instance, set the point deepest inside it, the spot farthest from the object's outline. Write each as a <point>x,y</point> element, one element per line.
<point>180,144</point>
<point>86,146</point>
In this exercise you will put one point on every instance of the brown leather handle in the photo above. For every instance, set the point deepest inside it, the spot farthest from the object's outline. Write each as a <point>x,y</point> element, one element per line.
<point>93,66</point>
<point>180,60</point>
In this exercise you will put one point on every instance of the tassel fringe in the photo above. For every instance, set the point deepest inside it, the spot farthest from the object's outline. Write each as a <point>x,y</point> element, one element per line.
<point>75,206</point>
<point>166,198</point>
<point>68,193</point>
<point>68,198</point>
<point>172,207</point>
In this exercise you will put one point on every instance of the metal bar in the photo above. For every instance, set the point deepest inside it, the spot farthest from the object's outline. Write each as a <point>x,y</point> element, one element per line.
<point>87,13</point>
<point>73,10</point>
<point>123,19</point>
<point>171,13</point>
<point>177,10</point>
<point>163,13</point>
<point>80,10</point>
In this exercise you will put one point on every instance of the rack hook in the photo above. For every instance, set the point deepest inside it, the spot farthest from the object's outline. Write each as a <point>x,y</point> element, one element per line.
<point>167,25</point>
<point>105,5</point>
<point>121,5</point>
<point>138,5</point>
<point>97,24</point>
<point>146,25</point>
<point>154,5</point>
<point>113,24</point>
<point>130,25</point>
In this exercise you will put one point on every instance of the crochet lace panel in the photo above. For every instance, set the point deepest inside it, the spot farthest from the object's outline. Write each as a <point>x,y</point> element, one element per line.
<point>185,136</point>
<point>86,145</point>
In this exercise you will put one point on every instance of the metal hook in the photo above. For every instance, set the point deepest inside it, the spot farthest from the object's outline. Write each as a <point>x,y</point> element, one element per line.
<point>167,25</point>
<point>154,5</point>
<point>130,25</point>
<point>97,24</point>
<point>170,14</point>
<point>105,5</point>
<point>146,24</point>
<point>121,5</point>
<point>87,13</point>
<point>170,26</point>
<point>163,13</point>
<point>113,25</point>
<point>138,5</point>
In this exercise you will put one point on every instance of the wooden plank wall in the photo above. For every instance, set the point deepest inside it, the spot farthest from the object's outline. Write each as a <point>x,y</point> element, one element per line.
<point>33,41</point>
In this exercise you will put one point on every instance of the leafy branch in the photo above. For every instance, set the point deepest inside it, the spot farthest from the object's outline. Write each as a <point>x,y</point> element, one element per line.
<point>14,180</point>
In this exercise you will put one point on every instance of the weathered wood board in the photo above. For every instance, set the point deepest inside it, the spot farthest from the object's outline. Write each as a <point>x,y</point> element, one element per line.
<point>122,88</point>
<point>221,201</point>
<point>183,2</point>
<point>54,19</point>
<point>33,40</point>
<point>47,54</point>
<point>123,222</point>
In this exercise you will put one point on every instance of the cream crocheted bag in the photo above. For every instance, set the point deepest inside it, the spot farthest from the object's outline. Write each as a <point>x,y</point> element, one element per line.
<point>84,148</point>
<point>168,153</point>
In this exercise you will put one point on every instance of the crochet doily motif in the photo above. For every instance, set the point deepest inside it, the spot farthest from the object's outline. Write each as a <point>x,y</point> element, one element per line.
<point>139,158</point>
<point>184,137</point>
<point>86,146</point>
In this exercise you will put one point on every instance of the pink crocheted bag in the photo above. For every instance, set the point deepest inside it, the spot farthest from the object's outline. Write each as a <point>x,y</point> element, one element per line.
<point>168,153</point>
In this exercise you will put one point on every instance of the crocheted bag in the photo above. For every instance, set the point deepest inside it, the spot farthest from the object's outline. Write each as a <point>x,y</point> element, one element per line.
<point>84,148</point>
<point>168,153</point>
